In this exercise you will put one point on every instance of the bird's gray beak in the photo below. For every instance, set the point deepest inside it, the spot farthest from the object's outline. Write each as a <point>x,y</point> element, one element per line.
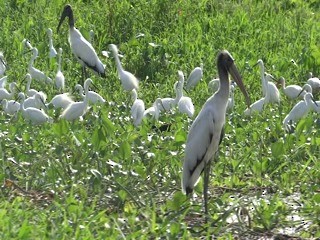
<point>255,64</point>
<point>43,103</point>
<point>67,12</point>
<point>3,62</point>
<point>63,16</point>
<point>300,92</point>
<point>315,102</point>
<point>237,78</point>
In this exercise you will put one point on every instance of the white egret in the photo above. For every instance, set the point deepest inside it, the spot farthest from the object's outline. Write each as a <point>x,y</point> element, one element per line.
<point>230,104</point>
<point>128,80</point>
<point>59,75</point>
<point>274,94</point>
<point>81,48</point>
<point>306,88</point>
<point>34,115</point>
<point>5,94</point>
<point>206,132</point>
<point>3,65</point>
<point>10,107</point>
<point>154,111</point>
<point>214,84</point>
<point>36,101</point>
<point>26,44</point>
<point>34,72</point>
<point>259,105</point>
<point>93,97</point>
<point>52,50</point>
<point>194,77</point>
<point>314,82</point>
<point>185,104</point>
<point>32,92</point>
<point>300,110</point>
<point>137,109</point>
<point>76,110</point>
<point>291,91</point>
<point>62,100</point>
<point>3,81</point>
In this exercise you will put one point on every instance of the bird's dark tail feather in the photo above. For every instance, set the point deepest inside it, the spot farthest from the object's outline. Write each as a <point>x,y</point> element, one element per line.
<point>189,191</point>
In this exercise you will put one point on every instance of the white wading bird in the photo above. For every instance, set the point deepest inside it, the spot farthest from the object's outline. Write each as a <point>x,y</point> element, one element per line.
<point>300,110</point>
<point>5,94</point>
<point>34,115</point>
<point>291,91</point>
<point>26,44</point>
<point>76,110</point>
<point>3,65</point>
<point>185,104</point>
<point>10,107</point>
<point>213,85</point>
<point>59,75</point>
<point>60,101</point>
<point>81,48</point>
<point>32,92</point>
<point>36,101</point>
<point>314,82</point>
<point>34,72</point>
<point>194,77</point>
<point>128,80</point>
<point>52,50</point>
<point>274,95</point>
<point>91,36</point>
<point>3,81</point>
<point>154,111</point>
<point>306,88</point>
<point>93,97</point>
<point>206,132</point>
<point>259,105</point>
<point>137,109</point>
<point>230,105</point>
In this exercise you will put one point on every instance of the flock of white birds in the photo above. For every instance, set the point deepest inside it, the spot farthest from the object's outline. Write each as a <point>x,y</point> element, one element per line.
<point>32,103</point>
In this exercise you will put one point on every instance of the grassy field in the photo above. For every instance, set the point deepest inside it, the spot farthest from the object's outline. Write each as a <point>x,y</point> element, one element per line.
<point>103,178</point>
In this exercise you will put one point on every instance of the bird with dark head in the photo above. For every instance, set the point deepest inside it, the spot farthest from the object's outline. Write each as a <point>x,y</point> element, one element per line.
<point>207,130</point>
<point>81,48</point>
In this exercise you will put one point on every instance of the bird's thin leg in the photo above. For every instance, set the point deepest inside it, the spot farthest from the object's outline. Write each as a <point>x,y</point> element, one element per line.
<point>205,188</point>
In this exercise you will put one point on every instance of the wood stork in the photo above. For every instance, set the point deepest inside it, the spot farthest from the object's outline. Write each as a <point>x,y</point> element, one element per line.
<point>137,109</point>
<point>52,50</point>
<point>34,72</point>
<point>274,94</point>
<point>62,100</point>
<point>81,48</point>
<point>93,97</point>
<point>34,115</point>
<point>3,81</point>
<point>194,77</point>
<point>259,105</point>
<point>59,75</point>
<point>291,91</point>
<point>185,104</point>
<point>128,80</point>
<point>314,82</point>
<point>300,110</point>
<point>5,94</point>
<point>206,132</point>
<point>76,110</point>
<point>3,64</point>
<point>10,107</point>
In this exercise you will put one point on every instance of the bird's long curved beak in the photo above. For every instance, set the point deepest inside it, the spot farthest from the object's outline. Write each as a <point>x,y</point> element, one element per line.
<point>63,16</point>
<point>301,92</point>
<point>237,78</point>
<point>255,64</point>
<point>3,62</point>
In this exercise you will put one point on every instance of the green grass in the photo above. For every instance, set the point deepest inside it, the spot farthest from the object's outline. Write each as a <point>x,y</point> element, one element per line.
<point>103,178</point>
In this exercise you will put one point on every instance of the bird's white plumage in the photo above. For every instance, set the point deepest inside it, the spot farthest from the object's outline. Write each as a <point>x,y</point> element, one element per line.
<point>194,77</point>
<point>61,101</point>
<point>185,104</point>
<point>34,115</point>
<point>59,79</point>
<point>10,107</point>
<point>93,97</point>
<point>5,94</point>
<point>36,101</point>
<point>314,82</point>
<point>300,110</point>
<point>230,104</point>
<point>36,73</point>
<point>52,50</point>
<point>214,84</point>
<point>76,110</point>
<point>128,80</point>
<point>274,94</point>
<point>291,91</point>
<point>137,109</point>
<point>154,111</point>
<point>3,81</point>
<point>2,64</point>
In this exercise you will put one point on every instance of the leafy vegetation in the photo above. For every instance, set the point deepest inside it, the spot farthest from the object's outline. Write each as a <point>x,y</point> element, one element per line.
<point>103,178</point>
